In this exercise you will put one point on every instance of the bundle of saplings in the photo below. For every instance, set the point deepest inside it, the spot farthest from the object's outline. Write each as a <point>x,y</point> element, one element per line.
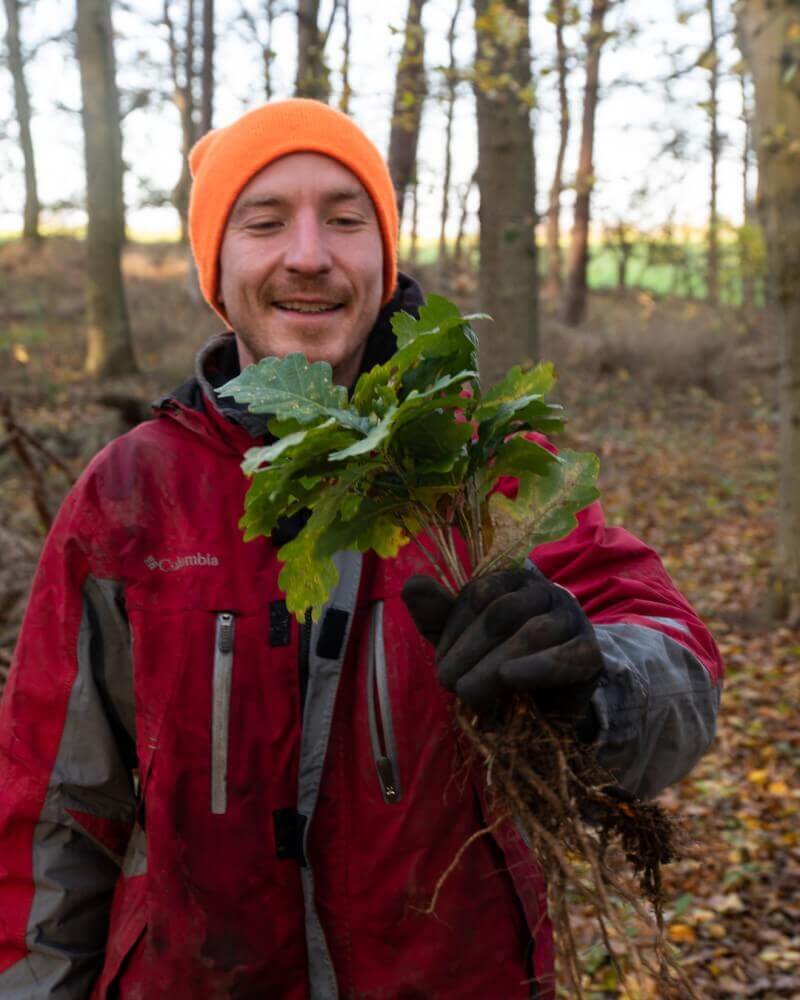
<point>413,456</point>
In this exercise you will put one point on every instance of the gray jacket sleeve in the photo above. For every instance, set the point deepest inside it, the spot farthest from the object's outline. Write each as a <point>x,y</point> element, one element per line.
<point>655,707</point>
<point>82,831</point>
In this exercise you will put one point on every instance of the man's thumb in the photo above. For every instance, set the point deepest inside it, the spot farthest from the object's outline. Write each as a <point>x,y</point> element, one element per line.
<point>429,603</point>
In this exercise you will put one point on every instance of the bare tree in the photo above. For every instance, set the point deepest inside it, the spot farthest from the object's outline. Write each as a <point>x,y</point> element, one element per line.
<point>748,239</point>
<point>184,76</point>
<point>207,73</point>
<point>768,31</point>
<point>574,305</point>
<point>109,348</point>
<point>711,62</point>
<point>312,73</point>
<point>506,177</point>
<point>16,65</point>
<point>452,78</point>
<point>262,37</point>
<point>347,93</point>
<point>409,95</point>
<point>558,13</point>
<point>463,215</point>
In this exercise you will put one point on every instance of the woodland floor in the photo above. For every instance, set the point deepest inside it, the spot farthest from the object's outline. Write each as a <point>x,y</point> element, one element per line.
<point>678,401</point>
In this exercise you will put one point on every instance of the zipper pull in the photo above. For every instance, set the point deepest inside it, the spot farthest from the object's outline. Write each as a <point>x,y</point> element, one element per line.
<point>387,779</point>
<point>225,632</point>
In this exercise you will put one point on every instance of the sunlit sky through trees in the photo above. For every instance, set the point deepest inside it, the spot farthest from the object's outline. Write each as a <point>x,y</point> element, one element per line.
<point>640,179</point>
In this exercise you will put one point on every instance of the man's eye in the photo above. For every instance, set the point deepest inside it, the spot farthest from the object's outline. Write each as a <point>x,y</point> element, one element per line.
<point>263,225</point>
<point>345,221</point>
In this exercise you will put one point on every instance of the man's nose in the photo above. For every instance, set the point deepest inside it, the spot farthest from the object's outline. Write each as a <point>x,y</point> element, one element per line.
<point>307,251</point>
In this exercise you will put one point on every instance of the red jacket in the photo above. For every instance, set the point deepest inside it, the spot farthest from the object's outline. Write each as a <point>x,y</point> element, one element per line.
<point>176,820</point>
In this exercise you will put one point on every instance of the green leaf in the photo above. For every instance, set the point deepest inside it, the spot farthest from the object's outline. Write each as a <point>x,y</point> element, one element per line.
<point>515,457</point>
<point>258,458</point>
<point>516,385</point>
<point>434,442</point>
<point>309,573</point>
<point>544,509</point>
<point>279,487</point>
<point>292,388</point>
<point>374,439</point>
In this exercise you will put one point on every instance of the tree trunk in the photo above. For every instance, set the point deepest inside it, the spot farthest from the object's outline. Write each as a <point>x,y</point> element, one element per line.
<point>347,93</point>
<point>312,73</point>
<point>30,223</point>
<point>574,305</point>
<point>184,74</point>
<point>508,282</point>
<point>109,348</point>
<point>451,79</point>
<point>413,243</point>
<point>558,13</point>
<point>746,261</point>
<point>458,248</point>
<point>712,274</point>
<point>207,75</point>
<point>767,29</point>
<point>409,95</point>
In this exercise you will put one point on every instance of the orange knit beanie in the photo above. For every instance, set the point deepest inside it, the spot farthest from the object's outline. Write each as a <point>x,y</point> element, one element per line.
<point>224,160</point>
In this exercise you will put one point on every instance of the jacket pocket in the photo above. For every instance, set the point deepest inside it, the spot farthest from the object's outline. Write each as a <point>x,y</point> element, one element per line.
<point>221,710</point>
<point>379,712</point>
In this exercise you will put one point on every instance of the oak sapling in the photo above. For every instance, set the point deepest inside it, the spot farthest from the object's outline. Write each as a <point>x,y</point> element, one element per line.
<point>415,455</point>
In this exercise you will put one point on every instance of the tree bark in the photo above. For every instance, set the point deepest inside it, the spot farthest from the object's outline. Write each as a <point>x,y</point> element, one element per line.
<point>508,282</point>
<point>574,305</point>
<point>312,73</point>
<point>558,14</point>
<point>16,65</point>
<point>451,81</point>
<point>207,74</point>
<point>458,248</point>
<point>184,74</point>
<point>766,30</point>
<point>409,96</point>
<point>109,348</point>
<point>746,261</point>
<point>347,92</point>
<point>712,273</point>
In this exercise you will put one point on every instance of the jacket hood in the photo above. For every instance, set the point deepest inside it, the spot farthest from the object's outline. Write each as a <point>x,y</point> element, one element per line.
<point>196,405</point>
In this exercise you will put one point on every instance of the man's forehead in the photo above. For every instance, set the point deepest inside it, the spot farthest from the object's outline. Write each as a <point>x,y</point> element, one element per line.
<point>300,174</point>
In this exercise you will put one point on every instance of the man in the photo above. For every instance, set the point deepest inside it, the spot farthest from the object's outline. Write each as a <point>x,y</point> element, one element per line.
<point>200,798</point>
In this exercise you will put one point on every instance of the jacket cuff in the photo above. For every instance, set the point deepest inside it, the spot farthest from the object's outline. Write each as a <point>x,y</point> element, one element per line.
<point>654,709</point>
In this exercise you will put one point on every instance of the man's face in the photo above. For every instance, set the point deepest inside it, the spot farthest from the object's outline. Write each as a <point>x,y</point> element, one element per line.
<point>302,264</point>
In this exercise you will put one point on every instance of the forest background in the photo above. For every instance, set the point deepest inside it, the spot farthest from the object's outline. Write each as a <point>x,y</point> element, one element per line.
<point>616,182</point>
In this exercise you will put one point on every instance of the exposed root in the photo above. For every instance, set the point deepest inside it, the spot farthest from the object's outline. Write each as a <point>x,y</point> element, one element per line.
<point>582,830</point>
<point>430,909</point>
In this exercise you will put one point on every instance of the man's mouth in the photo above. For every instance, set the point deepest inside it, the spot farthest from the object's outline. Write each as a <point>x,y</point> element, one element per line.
<point>298,306</point>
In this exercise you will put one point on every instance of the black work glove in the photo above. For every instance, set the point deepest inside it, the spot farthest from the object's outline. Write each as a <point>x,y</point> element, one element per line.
<point>512,630</point>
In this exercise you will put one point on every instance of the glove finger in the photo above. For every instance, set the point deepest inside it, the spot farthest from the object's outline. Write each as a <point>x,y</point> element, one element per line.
<point>570,664</point>
<point>506,617</point>
<point>429,603</point>
<point>482,685</point>
<point>474,598</point>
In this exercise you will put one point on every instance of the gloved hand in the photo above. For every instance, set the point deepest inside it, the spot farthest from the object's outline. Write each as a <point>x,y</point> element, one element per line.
<point>511,630</point>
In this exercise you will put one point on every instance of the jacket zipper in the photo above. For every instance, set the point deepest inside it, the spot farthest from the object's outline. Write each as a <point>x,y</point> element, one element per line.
<point>379,706</point>
<point>220,710</point>
<point>303,655</point>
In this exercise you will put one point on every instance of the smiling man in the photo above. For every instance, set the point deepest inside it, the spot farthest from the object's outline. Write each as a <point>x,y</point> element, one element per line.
<point>200,798</point>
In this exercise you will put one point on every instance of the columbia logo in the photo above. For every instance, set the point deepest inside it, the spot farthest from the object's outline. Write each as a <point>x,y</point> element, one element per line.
<point>180,562</point>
